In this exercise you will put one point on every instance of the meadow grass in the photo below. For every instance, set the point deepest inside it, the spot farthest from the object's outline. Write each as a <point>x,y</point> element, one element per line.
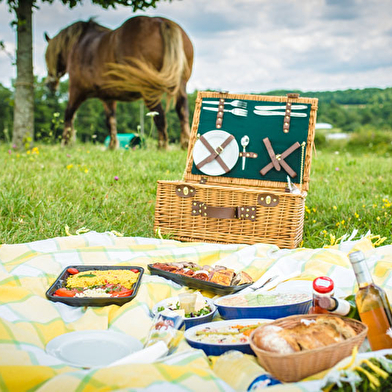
<point>49,191</point>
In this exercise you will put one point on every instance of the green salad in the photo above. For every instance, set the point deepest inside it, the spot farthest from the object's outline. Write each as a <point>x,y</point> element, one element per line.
<point>176,306</point>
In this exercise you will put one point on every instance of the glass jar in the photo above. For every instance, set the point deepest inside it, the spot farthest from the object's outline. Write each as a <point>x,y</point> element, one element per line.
<point>322,287</point>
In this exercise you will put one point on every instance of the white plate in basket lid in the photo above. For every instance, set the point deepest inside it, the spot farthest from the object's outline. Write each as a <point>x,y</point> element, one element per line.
<point>229,155</point>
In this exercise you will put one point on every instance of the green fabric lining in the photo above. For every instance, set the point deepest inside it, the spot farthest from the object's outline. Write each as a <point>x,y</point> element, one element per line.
<point>257,128</point>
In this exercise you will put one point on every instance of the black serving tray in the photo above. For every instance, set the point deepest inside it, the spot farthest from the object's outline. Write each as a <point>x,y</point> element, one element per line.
<point>96,301</point>
<point>196,283</point>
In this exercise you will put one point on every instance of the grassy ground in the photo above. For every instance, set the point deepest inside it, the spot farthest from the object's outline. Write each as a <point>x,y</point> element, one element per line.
<point>49,191</point>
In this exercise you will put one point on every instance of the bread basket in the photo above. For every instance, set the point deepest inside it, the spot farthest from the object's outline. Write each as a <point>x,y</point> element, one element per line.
<point>297,366</point>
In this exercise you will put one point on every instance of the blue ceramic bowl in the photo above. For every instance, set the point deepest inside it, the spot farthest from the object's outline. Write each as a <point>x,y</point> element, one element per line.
<point>219,348</point>
<point>192,321</point>
<point>265,312</point>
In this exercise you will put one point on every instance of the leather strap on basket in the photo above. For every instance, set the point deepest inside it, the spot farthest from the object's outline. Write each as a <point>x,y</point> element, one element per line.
<point>287,115</point>
<point>214,153</point>
<point>278,159</point>
<point>219,116</point>
<point>245,212</point>
<point>248,154</point>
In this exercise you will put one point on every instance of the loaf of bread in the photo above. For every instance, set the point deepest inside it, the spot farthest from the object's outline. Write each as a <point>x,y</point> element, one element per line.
<point>321,332</point>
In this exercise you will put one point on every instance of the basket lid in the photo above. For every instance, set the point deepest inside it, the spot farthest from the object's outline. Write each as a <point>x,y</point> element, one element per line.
<point>251,140</point>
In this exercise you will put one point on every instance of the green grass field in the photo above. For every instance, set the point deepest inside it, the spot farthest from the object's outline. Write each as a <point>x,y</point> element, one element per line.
<point>48,192</point>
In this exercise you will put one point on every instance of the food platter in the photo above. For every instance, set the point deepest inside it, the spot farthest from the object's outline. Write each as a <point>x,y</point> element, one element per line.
<point>92,301</point>
<point>215,348</point>
<point>193,283</point>
<point>191,321</point>
<point>269,305</point>
<point>92,348</point>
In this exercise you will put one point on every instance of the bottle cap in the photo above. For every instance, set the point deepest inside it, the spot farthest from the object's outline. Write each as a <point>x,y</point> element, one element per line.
<point>323,284</point>
<point>356,256</point>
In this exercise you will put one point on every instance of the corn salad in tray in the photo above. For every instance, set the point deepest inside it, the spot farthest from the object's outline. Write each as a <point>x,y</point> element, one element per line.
<point>99,283</point>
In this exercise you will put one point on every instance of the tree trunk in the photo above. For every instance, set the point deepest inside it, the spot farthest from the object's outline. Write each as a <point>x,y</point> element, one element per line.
<point>23,132</point>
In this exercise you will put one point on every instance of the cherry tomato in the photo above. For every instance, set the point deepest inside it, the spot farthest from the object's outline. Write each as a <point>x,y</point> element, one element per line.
<point>125,293</point>
<point>72,271</point>
<point>63,292</point>
<point>136,271</point>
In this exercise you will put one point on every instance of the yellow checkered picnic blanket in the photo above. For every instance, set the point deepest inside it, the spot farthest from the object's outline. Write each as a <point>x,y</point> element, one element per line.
<point>28,321</point>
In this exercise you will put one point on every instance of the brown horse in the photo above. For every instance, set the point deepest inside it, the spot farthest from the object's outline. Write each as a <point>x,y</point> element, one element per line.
<point>146,57</point>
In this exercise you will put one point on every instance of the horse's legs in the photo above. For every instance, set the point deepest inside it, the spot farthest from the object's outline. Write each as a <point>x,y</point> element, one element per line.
<point>160,123</point>
<point>111,123</point>
<point>183,115</point>
<point>69,131</point>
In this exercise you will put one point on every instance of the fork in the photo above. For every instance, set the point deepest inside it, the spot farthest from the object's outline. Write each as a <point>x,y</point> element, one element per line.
<point>236,103</point>
<point>235,111</point>
<point>265,283</point>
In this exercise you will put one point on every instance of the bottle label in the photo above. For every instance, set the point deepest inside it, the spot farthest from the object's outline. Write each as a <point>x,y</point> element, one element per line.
<point>343,308</point>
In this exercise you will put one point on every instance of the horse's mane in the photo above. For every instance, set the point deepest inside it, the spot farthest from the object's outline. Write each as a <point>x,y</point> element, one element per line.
<point>66,38</point>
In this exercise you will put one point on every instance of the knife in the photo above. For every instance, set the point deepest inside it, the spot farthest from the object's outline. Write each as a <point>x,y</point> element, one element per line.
<point>293,107</point>
<point>268,113</point>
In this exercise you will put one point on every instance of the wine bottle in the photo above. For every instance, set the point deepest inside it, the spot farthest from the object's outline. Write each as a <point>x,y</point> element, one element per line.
<point>353,313</point>
<point>373,305</point>
<point>342,307</point>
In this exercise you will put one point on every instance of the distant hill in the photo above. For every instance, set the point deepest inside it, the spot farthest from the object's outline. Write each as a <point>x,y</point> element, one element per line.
<point>351,109</point>
<point>344,97</point>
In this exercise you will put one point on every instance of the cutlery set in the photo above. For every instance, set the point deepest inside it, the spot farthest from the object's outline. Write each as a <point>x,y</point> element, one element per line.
<point>238,107</point>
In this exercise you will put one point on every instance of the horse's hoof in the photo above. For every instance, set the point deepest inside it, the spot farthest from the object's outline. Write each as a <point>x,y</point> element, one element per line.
<point>163,145</point>
<point>184,145</point>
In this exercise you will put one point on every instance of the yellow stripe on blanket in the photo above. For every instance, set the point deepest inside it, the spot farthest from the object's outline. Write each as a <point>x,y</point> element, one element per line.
<point>25,378</point>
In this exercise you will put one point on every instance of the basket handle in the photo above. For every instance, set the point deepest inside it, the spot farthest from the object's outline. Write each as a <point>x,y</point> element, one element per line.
<point>241,212</point>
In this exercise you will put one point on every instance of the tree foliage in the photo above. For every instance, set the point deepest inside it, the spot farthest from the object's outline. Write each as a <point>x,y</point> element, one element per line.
<point>134,4</point>
<point>6,104</point>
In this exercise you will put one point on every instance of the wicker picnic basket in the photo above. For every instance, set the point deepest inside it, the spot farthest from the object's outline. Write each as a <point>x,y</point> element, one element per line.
<point>299,365</point>
<point>242,204</point>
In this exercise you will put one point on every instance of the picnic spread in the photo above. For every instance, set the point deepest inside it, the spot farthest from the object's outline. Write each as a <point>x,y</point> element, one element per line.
<point>30,322</point>
<point>229,303</point>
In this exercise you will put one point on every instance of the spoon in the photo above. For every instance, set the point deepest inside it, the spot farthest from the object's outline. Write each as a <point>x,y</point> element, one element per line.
<point>244,143</point>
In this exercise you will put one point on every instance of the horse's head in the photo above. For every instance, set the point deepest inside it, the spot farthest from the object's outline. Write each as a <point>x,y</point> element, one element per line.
<point>55,63</point>
<point>60,46</point>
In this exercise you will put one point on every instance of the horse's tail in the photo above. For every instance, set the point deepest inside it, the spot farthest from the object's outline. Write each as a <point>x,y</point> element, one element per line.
<point>143,78</point>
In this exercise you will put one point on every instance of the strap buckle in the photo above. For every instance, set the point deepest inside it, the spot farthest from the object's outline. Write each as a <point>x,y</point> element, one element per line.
<point>217,151</point>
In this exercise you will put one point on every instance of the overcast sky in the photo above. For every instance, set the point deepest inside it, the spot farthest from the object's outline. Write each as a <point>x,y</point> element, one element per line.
<point>250,45</point>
